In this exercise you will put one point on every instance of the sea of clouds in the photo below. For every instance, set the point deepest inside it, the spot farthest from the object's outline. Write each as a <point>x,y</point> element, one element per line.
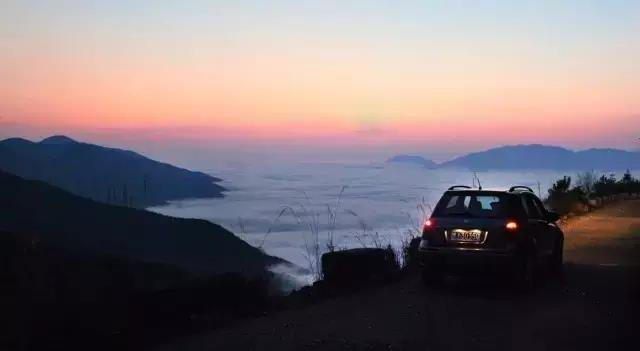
<point>283,207</point>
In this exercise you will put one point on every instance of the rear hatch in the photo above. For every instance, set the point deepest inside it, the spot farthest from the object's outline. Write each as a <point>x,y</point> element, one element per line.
<point>472,219</point>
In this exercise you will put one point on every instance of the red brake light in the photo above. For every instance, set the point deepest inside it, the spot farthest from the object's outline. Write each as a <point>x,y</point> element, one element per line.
<point>511,225</point>
<point>428,224</point>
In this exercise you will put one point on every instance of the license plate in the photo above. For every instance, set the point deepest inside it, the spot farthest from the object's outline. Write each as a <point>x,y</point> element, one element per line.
<point>465,235</point>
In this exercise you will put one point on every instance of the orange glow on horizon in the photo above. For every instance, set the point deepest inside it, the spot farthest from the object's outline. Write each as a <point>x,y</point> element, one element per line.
<point>373,79</point>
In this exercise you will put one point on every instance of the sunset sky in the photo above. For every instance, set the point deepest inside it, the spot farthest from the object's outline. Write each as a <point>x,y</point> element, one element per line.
<point>405,75</point>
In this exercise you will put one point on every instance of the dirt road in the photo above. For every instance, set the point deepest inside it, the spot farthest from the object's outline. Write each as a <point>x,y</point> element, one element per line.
<point>594,307</point>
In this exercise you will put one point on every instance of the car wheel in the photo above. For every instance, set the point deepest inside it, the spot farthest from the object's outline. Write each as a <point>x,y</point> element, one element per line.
<point>556,262</point>
<point>524,273</point>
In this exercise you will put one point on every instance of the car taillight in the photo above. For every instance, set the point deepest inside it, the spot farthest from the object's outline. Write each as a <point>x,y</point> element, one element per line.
<point>511,226</point>
<point>428,224</point>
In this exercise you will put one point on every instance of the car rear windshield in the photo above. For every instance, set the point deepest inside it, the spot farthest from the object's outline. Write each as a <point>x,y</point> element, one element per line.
<point>471,205</point>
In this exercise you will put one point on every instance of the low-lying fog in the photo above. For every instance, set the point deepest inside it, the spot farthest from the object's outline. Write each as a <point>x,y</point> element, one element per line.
<point>366,198</point>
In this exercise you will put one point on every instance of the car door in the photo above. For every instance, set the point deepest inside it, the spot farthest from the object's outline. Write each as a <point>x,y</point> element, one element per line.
<point>538,218</point>
<point>536,223</point>
<point>547,229</point>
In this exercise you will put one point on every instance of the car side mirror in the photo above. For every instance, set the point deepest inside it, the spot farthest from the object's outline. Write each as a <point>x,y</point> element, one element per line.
<point>553,217</point>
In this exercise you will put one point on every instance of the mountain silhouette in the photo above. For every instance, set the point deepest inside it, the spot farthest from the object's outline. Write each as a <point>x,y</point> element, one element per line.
<point>82,225</point>
<point>104,174</point>
<point>514,157</point>
<point>57,140</point>
<point>418,160</point>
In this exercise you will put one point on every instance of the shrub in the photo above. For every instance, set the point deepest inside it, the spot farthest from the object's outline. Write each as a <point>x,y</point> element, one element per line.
<point>410,253</point>
<point>564,199</point>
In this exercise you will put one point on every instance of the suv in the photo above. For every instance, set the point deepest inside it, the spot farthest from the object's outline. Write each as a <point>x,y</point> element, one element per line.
<point>483,230</point>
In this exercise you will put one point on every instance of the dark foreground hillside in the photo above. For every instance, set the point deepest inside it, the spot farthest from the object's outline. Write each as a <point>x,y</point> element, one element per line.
<point>54,299</point>
<point>85,226</point>
<point>76,274</point>
<point>104,174</point>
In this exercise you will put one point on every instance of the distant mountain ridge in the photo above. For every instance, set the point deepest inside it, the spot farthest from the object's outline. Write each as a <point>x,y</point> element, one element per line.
<point>536,156</point>
<point>104,174</point>
<point>413,159</point>
<point>88,227</point>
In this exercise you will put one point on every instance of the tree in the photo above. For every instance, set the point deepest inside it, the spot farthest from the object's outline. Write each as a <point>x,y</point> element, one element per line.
<point>586,182</point>
<point>125,195</point>
<point>562,198</point>
<point>605,186</point>
<point>628,183</point>
<point>561,186</point>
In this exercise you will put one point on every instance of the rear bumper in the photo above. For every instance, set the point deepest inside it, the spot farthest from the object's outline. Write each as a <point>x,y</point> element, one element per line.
<point>464,260</point>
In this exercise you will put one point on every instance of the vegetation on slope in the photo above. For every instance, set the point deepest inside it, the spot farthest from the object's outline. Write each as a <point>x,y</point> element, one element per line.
<point>588,191</point>
<point>86,226</point>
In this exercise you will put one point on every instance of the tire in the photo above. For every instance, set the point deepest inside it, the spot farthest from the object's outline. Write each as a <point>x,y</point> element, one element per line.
<point>524,273</point>
<point>431,277</point>
<point>556,260</point>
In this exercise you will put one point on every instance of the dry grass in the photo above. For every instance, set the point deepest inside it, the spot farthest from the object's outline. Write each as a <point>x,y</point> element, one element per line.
<point>314,222</point>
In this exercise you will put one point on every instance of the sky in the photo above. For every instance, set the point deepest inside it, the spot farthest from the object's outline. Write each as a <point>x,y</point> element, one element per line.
<point>312,77</point>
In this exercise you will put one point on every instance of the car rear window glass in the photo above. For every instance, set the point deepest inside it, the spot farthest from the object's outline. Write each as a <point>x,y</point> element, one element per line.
<point>472,205</point>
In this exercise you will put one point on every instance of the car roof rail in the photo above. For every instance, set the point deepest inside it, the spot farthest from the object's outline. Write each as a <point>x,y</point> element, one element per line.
<point>459,186</point>
<point>521,187</point>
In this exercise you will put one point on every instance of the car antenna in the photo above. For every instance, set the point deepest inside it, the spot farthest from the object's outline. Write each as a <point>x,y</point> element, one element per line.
<point>475,176</point>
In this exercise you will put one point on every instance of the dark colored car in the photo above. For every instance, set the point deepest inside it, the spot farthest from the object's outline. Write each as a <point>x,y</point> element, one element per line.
<point>475,231</point>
